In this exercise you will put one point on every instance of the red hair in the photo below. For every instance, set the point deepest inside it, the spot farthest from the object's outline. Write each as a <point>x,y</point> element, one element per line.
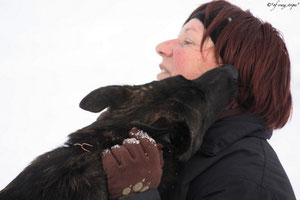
<point>259,53</point>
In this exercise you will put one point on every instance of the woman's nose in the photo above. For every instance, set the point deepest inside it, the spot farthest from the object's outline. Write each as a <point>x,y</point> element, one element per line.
<point>165,48</point>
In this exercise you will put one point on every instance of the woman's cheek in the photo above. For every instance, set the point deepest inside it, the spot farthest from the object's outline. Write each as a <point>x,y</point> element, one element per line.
<point>180,62</point>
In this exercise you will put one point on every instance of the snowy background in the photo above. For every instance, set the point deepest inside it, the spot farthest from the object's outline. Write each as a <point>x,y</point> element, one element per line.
<point>53,52</point>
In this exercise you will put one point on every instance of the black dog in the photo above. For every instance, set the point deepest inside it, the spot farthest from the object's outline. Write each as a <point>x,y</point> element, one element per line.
<point>175,112</point>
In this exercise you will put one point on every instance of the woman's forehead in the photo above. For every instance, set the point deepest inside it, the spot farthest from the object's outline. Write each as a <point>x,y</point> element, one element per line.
<point>194,25</point>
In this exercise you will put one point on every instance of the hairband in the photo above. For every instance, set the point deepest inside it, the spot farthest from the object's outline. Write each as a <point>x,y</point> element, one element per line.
<point>216,32</point>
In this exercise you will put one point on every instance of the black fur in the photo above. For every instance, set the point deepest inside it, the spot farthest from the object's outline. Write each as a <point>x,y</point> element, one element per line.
<point>175,112</point>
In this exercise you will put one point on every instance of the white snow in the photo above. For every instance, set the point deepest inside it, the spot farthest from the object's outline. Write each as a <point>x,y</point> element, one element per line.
<point>53,53</point>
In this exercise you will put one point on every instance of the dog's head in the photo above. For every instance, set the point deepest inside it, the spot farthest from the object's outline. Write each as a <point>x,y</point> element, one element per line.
<point>174,111</point>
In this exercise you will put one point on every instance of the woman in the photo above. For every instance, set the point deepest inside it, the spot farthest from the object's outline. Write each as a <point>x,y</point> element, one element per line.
<point>235,160</point>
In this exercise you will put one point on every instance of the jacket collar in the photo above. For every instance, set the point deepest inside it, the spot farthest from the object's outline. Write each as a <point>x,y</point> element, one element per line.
<point>226,131</point>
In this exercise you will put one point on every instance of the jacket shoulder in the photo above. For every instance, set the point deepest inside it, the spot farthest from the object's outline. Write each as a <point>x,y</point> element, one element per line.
<point>247,166</point>
<point>230,187</point>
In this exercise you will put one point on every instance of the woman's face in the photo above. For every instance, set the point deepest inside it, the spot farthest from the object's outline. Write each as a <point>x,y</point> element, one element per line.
<point>183,56</point>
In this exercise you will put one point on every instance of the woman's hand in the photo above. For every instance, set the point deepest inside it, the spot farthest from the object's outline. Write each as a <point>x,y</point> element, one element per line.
<point>133,167</point>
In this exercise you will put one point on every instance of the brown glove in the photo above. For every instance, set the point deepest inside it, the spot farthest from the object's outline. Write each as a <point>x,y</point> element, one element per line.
<point>133,167</point>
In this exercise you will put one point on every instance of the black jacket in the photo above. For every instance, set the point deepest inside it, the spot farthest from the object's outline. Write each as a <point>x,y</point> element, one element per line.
<point>235,162</point>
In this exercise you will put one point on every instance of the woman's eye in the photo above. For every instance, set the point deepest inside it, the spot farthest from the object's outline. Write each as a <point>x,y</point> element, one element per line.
<point>186,42</point>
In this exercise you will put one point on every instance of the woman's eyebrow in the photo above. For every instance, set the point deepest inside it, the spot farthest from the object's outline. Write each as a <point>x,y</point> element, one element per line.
<point>190,29</point>
<point>186,30</point>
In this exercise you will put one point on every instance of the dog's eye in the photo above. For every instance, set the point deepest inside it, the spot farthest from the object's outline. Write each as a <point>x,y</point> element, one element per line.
<point>161,122</point>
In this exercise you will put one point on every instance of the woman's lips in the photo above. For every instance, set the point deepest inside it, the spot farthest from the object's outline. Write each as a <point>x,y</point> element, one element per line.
<point>164,73</point>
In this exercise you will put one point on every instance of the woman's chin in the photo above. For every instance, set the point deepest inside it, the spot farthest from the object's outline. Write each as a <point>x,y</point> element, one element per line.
<point>163,75</point>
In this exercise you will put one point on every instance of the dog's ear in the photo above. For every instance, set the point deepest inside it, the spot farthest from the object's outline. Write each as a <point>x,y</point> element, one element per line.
<point>104,97</point>
<point>196,132</point>
<point>204,99</point>
<point>116,95</point>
